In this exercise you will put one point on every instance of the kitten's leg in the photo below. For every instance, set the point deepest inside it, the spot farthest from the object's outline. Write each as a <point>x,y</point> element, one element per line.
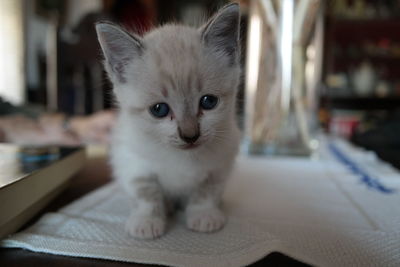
<point>202,211</point>
<point>148,218</point>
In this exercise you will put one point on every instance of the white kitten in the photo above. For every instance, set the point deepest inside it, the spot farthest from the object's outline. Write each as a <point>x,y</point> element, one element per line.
<point>176,136</point>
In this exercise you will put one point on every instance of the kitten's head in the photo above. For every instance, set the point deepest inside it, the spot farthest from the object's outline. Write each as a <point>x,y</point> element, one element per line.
<point>177,83</point>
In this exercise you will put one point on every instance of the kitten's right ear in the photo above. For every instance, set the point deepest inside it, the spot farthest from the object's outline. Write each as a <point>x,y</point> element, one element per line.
<point>119,48</point>
<point>221,32</point>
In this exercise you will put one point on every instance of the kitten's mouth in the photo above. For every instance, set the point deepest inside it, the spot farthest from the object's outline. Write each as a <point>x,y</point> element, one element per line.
<point>190,146</point>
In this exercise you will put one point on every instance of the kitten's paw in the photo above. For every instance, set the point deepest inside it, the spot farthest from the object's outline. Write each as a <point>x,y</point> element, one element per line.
<point>145,227</point>
<point>209,220</point>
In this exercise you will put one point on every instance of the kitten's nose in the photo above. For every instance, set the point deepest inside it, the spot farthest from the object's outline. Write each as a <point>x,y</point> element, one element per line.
<point>190,139</point>
<point>190,136</point>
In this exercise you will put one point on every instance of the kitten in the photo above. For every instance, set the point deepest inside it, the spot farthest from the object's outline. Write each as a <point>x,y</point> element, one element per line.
<point>176,136</point>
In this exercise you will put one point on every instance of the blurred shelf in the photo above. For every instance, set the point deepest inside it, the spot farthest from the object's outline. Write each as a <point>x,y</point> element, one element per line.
<point>364,21</point>
<point>361,103</point>
<point>359,30</point>
<point>373,58</point>
<point>389,68</point>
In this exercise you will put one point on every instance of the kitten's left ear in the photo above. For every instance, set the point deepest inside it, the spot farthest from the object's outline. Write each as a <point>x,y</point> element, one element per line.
<point>119,49</point>
<point>221,32</point>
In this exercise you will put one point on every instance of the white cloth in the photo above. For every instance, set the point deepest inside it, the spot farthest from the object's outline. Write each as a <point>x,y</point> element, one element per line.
<point>316,211</point>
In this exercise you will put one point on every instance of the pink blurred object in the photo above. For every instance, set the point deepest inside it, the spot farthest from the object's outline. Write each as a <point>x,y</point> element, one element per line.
<point>344,125</point>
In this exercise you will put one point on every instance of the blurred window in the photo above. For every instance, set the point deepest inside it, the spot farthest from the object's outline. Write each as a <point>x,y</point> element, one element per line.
<point>12,82</point>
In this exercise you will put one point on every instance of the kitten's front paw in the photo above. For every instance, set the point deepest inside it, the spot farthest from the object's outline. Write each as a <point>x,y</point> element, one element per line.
<point>145,227</point>
<point>209,220</point>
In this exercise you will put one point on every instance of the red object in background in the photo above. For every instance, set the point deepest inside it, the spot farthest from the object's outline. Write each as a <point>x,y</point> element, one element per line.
<point>384,43</point>
<point>344,126</point>
<point>136,15</point>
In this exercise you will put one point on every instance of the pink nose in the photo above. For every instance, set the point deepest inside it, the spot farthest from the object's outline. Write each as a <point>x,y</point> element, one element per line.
<point>189,139</point>
<point>189,129</point>
<point>189,135</point>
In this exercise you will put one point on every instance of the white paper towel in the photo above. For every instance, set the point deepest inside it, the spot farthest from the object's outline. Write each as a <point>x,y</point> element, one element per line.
<point>317,211</point>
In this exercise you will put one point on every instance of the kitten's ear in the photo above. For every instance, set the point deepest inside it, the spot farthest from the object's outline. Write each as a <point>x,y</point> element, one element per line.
<point>221,32</point>
<point>119,48</point>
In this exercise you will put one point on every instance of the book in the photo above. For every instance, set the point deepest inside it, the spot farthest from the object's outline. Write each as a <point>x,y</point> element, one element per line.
<point>30,177</point>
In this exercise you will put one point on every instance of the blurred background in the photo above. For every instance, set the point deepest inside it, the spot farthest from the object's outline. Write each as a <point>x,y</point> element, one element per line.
<point>49,50</point>
<point>50,59</point>
<point>360,92</point>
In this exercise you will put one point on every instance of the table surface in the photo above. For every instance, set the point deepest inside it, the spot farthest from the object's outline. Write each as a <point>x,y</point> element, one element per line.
<point>95,174</point>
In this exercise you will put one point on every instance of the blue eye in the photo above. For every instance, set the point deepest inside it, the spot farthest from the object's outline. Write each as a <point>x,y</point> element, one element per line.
<point>159,110</point>
<point>208,101</point>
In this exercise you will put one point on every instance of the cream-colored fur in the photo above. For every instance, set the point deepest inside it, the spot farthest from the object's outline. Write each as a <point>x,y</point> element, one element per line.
<point>176,65</point>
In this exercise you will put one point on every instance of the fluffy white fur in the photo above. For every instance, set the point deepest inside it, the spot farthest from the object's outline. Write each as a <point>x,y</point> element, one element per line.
<point>176,65</point>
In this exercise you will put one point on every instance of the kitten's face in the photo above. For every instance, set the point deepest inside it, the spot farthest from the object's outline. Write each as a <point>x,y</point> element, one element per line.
<point>177,83</point>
